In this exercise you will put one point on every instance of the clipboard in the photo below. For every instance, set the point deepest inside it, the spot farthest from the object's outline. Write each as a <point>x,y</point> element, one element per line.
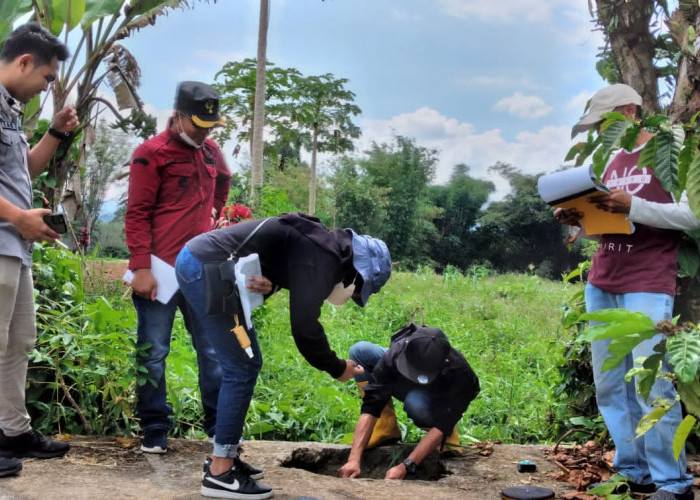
<point>571,189</point>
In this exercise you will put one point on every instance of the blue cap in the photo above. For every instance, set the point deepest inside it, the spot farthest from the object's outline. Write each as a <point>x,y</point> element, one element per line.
<point>371,259</point>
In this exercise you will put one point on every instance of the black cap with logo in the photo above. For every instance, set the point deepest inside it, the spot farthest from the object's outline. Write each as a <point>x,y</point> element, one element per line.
<point>200,102</point>
<point>424,355</point>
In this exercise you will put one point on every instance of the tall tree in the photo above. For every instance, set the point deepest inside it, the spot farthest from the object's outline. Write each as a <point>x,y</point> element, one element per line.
<point>325,109</point>
<point>519,230</point>
<point>236,84</point>
<point>256,173</point>
<point>404,169</point>
<point>460,203</point>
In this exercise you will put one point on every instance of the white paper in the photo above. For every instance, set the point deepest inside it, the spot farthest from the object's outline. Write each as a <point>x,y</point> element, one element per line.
<point>567,183</point>
<point>246,267</point>
<point>165,277</point>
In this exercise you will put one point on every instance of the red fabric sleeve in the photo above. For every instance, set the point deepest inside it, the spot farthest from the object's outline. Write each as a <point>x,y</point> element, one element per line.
<point>144,183</point>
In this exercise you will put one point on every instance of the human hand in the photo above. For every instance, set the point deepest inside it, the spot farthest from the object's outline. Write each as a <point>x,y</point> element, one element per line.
<point>396,472</point>
<point>568,216</point>
<point>31,226</point>
<point>144,284</point>
<point>349,470</point>
<point>65,120</point>
<point>259,284</point>
<point>351,369</point>
<point>618,201</point>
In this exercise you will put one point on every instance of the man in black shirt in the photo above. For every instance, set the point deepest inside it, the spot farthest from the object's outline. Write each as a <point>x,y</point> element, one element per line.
<point>420,368</point>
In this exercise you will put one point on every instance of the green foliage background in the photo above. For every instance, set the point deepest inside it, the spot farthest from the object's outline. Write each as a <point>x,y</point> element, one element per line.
<point>82,376</point>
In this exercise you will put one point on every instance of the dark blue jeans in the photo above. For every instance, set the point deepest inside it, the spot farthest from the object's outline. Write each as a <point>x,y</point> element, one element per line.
<point>155,323</point>
<point>239,372</point>
<point>417,402</point>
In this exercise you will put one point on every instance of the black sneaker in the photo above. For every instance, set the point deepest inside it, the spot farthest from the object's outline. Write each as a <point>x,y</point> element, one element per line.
<point>31,444</point>
<point>620,485</point>
<point>9,466</point>
<point>155,442</point>
<point>247,469</point>
<point>233,484</point>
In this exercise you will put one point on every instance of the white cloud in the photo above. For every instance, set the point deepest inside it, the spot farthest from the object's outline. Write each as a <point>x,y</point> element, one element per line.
<point>405,16</point>
<point>503,11</point>
<point>578,102</point>
<point>524,106</point>
<point>531,152</point>
<point>503,81</point>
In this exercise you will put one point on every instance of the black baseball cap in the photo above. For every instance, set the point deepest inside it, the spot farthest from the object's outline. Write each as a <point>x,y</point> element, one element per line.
<point>200,102</point>
<point>424,355</point>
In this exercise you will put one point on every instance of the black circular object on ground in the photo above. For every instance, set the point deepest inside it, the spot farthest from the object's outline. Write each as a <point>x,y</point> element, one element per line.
<point>527,493</point>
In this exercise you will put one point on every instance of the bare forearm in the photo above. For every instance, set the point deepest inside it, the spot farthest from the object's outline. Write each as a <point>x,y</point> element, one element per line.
<point>360,438</point>
<point>41,154</point>
<point>8,211</point>
<point>426,445</point>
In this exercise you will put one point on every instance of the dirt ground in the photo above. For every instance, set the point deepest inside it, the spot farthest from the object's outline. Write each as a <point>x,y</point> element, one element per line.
<point>105,272</point>
<point>102,467</point>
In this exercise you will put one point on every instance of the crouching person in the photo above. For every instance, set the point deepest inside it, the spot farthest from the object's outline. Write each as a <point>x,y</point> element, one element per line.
<point>435,383</point>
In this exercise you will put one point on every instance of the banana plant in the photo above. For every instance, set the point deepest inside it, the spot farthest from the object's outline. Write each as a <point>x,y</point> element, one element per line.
<point>98,60</point>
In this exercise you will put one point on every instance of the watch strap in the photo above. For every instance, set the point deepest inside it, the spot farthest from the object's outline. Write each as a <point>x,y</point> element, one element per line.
<point>58,134</point>
<point>410,466</point>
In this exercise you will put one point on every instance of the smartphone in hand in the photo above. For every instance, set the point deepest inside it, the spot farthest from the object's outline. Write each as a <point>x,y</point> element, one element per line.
<point>57,222</point>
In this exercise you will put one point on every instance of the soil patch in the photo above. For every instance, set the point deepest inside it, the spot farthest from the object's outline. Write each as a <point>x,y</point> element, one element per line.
<point>103,467</point>
<point>105,276</point>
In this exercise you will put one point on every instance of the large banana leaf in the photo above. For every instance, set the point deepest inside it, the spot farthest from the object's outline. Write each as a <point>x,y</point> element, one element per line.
<point>9,12</point>
<point>66,12</point>
<point>97,9</point>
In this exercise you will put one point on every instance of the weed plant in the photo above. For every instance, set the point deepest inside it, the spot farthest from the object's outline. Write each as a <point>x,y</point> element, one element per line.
<point>83,378</point>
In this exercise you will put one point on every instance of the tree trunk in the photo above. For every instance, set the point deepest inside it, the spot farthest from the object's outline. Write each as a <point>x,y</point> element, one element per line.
<point>256,174</point>
<point>312,174</point>
<point>627,26</point>
<point>686,102</point>
<point>686,98</point>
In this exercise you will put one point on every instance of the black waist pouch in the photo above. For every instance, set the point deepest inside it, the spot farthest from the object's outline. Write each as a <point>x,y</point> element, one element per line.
<point>221,294</point>
<point>220,291</point>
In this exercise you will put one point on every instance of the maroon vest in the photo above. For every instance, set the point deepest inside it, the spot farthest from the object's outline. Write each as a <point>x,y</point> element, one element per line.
<point>647,259</point>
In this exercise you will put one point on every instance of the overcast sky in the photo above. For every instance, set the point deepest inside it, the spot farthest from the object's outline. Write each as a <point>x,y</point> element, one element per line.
<point>480,81</point>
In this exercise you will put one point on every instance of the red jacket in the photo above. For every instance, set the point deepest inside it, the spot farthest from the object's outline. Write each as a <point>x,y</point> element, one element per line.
<point>172,189</point>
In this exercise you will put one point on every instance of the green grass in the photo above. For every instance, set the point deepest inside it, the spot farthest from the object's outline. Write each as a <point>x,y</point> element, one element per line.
<point>507,326</point>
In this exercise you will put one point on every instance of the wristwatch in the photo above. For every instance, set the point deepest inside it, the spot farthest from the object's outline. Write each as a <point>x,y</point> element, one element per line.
<point>410,466</point>
<point>58,134</point>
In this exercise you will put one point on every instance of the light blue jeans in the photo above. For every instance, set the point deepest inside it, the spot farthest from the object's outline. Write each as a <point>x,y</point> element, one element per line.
<point>649,457</point>
<point>417,402</point>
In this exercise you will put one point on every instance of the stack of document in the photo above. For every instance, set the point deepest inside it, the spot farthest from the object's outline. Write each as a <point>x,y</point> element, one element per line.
<point>164,274</point>
<point>246,267</point>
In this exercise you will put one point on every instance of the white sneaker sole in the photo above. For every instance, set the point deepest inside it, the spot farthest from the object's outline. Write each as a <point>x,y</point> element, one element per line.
<point>155,450</point>
<point>218,493</point>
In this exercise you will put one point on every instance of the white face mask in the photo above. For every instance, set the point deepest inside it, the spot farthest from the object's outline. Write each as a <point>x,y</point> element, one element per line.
<point>341,294</point>
<point>186,138</point>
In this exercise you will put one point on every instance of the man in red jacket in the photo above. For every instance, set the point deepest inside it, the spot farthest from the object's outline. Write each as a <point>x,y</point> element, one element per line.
<point>178,182</point>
